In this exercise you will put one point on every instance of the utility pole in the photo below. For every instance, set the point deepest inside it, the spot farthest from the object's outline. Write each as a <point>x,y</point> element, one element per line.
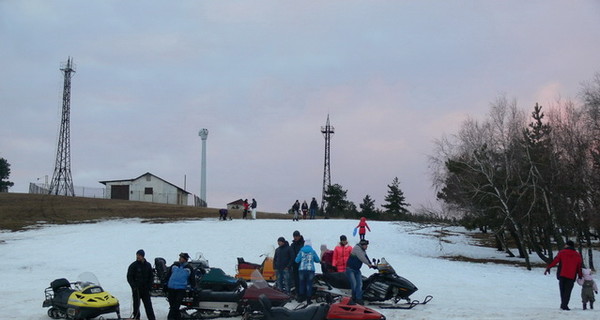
<point>203,135</point>
<point>327,132</point>
<point>62,182</point>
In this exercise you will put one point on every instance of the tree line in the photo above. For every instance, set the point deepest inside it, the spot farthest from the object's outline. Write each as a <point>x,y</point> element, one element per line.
<point>531,178</point>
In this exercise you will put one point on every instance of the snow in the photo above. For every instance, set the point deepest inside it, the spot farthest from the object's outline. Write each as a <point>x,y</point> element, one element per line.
<point>461,290</point>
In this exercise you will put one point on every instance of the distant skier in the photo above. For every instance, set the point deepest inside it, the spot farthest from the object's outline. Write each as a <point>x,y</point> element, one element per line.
<point>362,228</point>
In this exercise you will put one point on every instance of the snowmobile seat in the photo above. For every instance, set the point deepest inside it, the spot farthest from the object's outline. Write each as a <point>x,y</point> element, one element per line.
<point>242,264</point>
<point>280,313</point>
<point>337,279</point>
<point>60,284</point>
<point>220,296</point>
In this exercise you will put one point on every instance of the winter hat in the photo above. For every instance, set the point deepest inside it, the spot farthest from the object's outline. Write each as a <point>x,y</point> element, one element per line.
<point>570,243</point>
<point>141,253</point>
<point>296,233</point>
<point>185,255</point>
<point>307,242</point>
<point>363,242</point>
<point>343,238</point>
<point>324,248</point>
<point>281,239</point>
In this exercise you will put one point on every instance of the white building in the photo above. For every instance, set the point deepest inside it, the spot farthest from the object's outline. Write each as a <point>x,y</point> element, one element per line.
<point>146,187</point>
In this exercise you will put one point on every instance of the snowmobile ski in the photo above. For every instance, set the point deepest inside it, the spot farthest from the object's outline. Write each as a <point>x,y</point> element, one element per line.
<point>406,305</point>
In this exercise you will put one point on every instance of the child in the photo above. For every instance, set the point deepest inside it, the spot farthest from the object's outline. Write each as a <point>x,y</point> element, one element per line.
<point>362,228</point>
<point>588,287</point>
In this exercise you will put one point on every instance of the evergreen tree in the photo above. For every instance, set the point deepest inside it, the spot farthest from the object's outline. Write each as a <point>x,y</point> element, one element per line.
<point>395,200</point>
<point>335,196</point>
<point>368,209</point>
<point>4,174</point>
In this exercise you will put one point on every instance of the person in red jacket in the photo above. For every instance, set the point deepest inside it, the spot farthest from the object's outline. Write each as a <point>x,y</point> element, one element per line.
<point>569,267</point>
<point>341,253</point>
<point>362,228</point>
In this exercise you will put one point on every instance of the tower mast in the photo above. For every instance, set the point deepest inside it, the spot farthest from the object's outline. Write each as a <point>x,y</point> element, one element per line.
<point>327,132</point>
<point>62,182</point>
<point>203,135</point>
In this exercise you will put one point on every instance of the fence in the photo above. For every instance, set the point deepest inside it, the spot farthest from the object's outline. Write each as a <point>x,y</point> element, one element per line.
<point>87,192</point>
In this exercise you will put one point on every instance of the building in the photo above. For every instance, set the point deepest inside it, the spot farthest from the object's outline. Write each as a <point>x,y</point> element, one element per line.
<point>146,187</point>
<point>236,205</point>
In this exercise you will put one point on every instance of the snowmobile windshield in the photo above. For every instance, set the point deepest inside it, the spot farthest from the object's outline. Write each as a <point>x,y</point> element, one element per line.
<point>384,267</point>
<point>258,281</point>
<point>88,281</point>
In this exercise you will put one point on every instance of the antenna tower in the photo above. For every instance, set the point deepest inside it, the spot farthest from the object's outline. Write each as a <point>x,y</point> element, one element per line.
<point>62,182</point>
<point>327,132</point>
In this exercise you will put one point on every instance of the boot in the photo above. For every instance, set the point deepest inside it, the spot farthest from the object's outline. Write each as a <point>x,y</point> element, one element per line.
<point>592,305</point>
<point>584,306</point>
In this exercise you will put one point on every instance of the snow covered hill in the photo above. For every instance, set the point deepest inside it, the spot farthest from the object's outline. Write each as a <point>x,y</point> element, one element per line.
<point>461,290</point>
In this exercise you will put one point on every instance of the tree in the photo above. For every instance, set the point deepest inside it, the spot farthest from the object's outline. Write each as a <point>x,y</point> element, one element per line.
<point>4,175</point>
<point>367,208</point>
<point>335,196</point>
<point>395,200</point>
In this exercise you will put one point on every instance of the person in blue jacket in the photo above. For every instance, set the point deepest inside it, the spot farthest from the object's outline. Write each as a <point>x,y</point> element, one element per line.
<point>358,256</point>
<point>180,276</point>
<point>306,271</point>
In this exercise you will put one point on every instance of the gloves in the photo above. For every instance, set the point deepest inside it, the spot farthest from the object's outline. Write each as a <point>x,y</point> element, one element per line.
<point>547,271</point>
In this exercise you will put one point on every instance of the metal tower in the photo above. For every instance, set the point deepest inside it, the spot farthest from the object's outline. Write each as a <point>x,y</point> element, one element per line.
<point>327,132</point>
<point>62,182</point>
<point>203,135</point>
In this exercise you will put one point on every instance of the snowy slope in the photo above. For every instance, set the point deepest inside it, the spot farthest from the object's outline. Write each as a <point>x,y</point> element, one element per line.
<point>33,258</point>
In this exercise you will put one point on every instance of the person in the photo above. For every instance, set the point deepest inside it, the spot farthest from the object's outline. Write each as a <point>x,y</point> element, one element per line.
<point>282,262</point>
<point>340,254</point>
<point>253,207</point>
<point>296,245</point>
<point>223,214</point>
<point>314,206</point>
<point>362,228</point>
<point>570,263</point>
<point>358,256</point>
<point>140,278</point>
<point>326,260</point>
<point>306,259</point>
<point>246,206</point>
<point>296,210</point>
<point>304,209</point>
<point>180,276</point>
<point>588,287</point>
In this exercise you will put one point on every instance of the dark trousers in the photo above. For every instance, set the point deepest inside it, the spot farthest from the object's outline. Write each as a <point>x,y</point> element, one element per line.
<point>144,295</point>
<point>175,297</point>
<point>566,286</point>
<point>295,276</point>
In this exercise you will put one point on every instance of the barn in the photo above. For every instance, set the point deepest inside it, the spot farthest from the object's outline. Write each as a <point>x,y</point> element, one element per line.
<point>148,188</point>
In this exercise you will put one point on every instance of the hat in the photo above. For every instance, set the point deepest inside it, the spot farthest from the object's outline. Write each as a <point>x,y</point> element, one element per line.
<point>141,253</point>
<point>307,242</point>
<point>185,255</point>
<point>281,239</point>
<point>570,243</point>
<point>363,242</point>
<point>296,233</point>
<point>343,238</point>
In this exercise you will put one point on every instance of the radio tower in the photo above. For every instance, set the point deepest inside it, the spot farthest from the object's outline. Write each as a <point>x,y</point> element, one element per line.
<point>62,183</point>
<point>327,132</point>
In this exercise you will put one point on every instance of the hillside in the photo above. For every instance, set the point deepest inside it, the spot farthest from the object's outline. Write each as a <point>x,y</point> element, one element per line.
<point>21,210</point>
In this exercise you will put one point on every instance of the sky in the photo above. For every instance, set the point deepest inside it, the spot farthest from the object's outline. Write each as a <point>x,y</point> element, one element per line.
<point>263,76</point>
<point>460,290</point>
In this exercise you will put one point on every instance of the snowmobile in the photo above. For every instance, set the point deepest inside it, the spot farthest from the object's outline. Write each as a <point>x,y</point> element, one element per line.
<point>342,310</point>
<point>379,288</point>
<point>160,281</point>
<point>83,299</point>
<point>219,295</point>
<point>245,269</point>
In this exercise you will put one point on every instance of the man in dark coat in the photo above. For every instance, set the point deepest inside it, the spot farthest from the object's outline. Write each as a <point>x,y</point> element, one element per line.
<point>140,278</point>
<point>282,262</point>
<point>570,263</point>
<point>296,245</point>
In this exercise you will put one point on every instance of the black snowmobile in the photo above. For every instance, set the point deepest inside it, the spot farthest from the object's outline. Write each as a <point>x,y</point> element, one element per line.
<point>84,299</point>
<point>385,288</point>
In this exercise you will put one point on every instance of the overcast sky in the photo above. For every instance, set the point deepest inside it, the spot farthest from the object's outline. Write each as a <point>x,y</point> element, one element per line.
<point>262,76</point>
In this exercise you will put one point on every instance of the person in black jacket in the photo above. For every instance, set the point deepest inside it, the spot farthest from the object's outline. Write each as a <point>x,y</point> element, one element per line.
<point>140,278</point>
<point>296,245</point>
<point>282,262</point>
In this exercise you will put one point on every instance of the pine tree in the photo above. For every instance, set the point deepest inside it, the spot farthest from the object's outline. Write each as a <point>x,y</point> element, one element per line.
<point>368,209</point>
<point>4,174</point>
<point>395,200</point>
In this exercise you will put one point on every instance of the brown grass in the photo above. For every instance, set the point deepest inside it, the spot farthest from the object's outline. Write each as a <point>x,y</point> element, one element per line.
<point>20,210</point>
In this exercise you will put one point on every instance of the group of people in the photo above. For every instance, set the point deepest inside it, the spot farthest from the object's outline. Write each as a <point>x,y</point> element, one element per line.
<point>310,211</point>
<point>570,268</point>
<point>249,207</point>
<point>294,265</point>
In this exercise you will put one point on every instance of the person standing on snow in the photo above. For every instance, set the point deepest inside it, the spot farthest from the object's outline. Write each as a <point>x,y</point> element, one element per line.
<point>296,245</point>
<point>570,267</point>
<point>282,262</point>
<point>246,206</point>
<point>140,278</point>
<point>253,207</point>
<point>327,260</point>
<point>304,210</point>
<point>306,258</point>
<point>296,210</point>
<point>341,253</point>
<point>358,256</point>
<point>180,275</point>
<point>588,287</point>
<point>314,206</point>
<point>362,228</point>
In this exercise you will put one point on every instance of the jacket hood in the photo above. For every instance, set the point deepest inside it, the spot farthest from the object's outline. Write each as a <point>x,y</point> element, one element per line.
<point>587,274</point>
<point>307,248</point>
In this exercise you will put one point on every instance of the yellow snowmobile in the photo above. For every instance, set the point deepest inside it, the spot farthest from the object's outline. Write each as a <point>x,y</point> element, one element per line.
<point>84,299</point>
